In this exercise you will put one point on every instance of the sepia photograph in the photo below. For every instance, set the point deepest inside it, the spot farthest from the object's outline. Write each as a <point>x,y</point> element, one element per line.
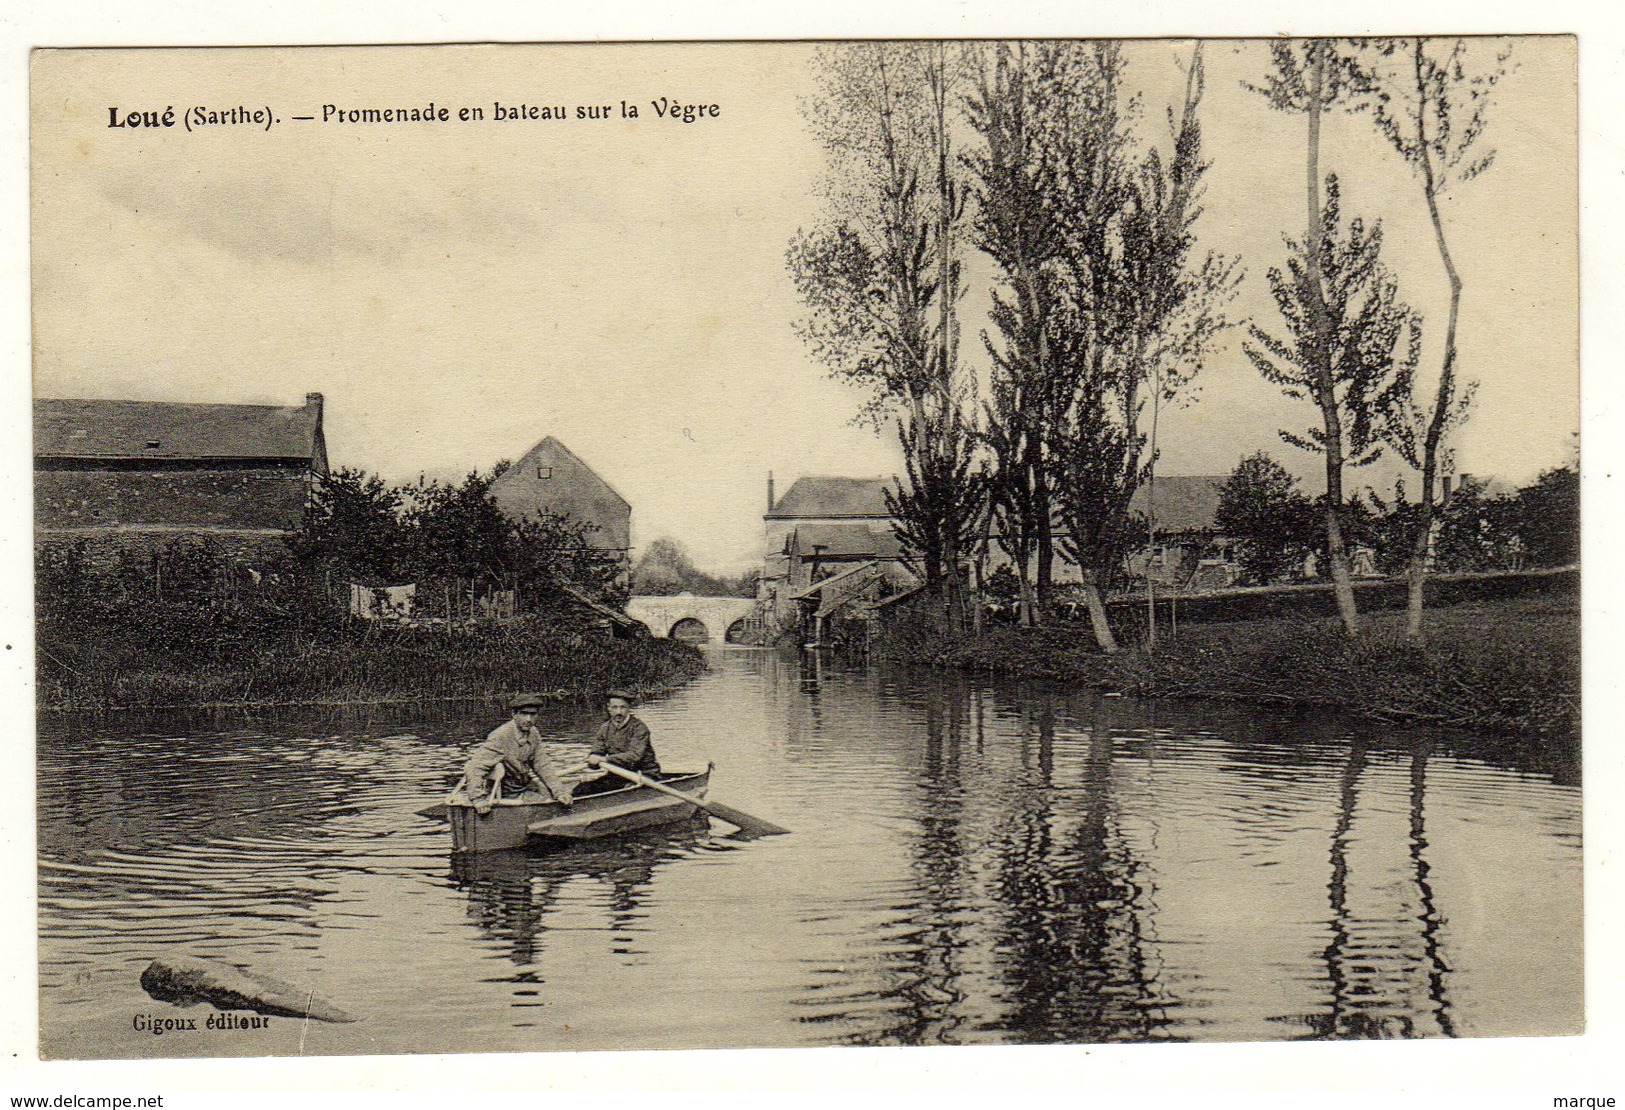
<point>712,545</point>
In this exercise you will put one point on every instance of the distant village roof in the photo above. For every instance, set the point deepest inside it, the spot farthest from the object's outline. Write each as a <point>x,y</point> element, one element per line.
<point>820,498</point>
<point>95,429</point>
<point>1188,503</point>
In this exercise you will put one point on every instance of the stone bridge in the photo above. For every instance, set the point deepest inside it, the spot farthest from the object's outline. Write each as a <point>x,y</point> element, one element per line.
<point>696,619</point>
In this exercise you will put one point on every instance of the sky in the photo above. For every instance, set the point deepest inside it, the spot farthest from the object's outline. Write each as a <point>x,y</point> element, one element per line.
<point>457,291</point>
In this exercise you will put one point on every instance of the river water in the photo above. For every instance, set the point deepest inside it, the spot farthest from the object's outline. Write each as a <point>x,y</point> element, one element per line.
<point>971,862</point>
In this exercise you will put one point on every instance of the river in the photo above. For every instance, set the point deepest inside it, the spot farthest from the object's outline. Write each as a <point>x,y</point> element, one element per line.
<point>971,862</point>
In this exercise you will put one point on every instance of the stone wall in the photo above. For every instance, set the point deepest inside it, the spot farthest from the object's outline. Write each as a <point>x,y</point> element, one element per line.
<point>255,498</point>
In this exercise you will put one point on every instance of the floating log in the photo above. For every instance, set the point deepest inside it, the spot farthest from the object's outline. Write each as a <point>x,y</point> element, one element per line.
<point>185,979</point>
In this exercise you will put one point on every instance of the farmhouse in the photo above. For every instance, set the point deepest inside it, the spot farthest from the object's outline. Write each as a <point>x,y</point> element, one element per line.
<point>552,479</point>
<point>118,475</point>
<point>825,528</point>
<point>1186,548</point>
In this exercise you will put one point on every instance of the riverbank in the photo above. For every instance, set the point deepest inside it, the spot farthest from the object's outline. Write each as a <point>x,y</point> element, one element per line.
<point>351,663</point>
<point>1510,665</point>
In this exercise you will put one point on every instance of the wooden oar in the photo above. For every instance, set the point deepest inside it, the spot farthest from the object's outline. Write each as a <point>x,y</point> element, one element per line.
<point>746,823</point>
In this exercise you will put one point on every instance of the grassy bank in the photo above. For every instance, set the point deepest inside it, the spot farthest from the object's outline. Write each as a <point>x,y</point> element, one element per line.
<point>204,660</point>
<point>1509,665</point>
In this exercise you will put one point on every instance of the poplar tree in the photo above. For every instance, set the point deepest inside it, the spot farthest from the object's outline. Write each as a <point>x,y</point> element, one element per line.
<point>1012,108</point>
<point>880,277</point>
<point>1309,76</point>
<point>1157,310</point>
<point>1350,345</point>
<point>1432,107</point>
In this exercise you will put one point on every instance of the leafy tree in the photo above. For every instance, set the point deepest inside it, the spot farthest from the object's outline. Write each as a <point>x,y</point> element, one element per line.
<point>1157,313</point>
<point>1350,342</point>
<point>553,551</point>
<point>1310,76</point>
<point>458,531</point>
<point>1102,306</point>
<point>1475,532</point>
<point>1390,527</point>
<point>1025,95</point>
<point>1432,108</point>
<point>1546,517</point>
<point>881,279</point>
<point>353,529</point>
<point>665,568</point>
<point>1261,505</point>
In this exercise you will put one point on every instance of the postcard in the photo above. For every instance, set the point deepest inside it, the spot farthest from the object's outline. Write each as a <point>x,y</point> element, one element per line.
<point>715,545</point>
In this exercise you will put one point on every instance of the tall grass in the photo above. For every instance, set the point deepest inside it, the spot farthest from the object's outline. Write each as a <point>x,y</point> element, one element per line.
<point>180,656</point>
<point>1510,665</point>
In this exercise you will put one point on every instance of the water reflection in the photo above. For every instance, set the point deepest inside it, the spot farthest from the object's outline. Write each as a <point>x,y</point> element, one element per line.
<point>972,862</point>
<point>513,894</point>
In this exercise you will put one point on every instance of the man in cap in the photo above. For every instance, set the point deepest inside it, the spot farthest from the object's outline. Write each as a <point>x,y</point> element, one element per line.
<point>512,753</point>
<point>622,740</point>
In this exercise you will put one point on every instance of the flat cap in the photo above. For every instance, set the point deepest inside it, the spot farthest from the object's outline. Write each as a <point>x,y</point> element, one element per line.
<point>625,695</point>
<point>524,701</point>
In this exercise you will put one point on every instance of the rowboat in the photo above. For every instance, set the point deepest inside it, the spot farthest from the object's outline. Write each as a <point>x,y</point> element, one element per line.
<point>527,819</point>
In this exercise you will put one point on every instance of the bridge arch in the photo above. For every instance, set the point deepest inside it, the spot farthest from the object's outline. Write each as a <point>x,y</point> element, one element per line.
<point>668,616</point>
<point>690,630</point>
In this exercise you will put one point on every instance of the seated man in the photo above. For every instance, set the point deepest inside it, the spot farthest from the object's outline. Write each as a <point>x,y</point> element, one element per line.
<point>513,754</point>
<point>622,740</point>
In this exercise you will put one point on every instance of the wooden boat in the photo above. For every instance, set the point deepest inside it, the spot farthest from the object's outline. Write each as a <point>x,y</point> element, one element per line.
<point>526,819</point>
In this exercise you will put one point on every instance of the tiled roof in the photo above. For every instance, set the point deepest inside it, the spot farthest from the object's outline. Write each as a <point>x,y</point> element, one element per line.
<point>1188,503</point>
<point>817,498</point>
<point>171,430</point>
<point>845,541</point>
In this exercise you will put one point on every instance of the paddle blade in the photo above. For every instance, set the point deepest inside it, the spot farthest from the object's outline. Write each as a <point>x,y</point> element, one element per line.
<point>755,826</point>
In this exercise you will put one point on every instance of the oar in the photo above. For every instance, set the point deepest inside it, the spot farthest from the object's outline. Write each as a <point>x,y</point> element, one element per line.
<point>753,825</point>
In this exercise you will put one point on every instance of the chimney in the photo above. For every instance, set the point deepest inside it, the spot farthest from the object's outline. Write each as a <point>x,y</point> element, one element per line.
<point>1445,485</point>
<point>769,491</point>
<point>313,401</point>
<point>1465,478</point>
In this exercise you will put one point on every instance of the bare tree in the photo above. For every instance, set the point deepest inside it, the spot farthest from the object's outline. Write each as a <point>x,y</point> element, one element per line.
<point>1432,107</point>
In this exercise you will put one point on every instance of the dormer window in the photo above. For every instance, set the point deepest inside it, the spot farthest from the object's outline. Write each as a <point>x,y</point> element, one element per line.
<point>152,444</point>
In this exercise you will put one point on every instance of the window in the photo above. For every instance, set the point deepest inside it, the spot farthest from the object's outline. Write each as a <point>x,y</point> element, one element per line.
<point>544,472</point>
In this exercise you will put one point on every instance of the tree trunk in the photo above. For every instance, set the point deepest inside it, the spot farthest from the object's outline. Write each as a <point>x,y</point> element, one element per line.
<point>1336,546</point>
<point>1417,578</point>
<point>1025,602</point>
<point>1044,548</point>
<point>1444,398</point>
<point>1097,615</point>
<point>1326,393</point>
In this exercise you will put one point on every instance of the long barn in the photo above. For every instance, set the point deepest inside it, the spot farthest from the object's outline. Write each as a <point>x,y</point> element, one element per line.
<point>123,474</point>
